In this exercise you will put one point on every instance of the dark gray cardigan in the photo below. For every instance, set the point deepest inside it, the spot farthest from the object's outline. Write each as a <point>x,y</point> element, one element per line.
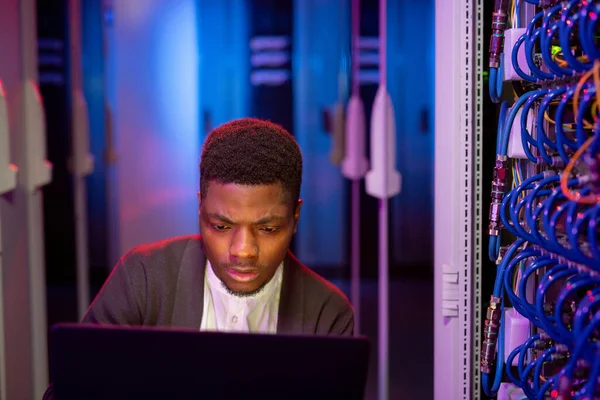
<point>162,284</point>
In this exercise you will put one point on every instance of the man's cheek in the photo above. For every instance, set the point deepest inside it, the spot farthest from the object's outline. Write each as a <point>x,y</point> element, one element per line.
<point>216,248</point>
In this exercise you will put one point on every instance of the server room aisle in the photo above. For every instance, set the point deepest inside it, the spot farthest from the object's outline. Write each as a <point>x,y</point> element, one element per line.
<point>411,337</point>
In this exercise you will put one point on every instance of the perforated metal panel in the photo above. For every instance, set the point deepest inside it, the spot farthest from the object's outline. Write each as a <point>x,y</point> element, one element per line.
<point>478,200</point>
<point>466,161</point>
<point>458,197</point>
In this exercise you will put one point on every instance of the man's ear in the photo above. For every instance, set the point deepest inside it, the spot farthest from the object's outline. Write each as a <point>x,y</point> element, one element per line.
<point>297,214</point>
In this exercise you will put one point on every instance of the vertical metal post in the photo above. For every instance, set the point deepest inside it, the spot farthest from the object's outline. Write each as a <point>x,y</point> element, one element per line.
<point>383,182</point>
<point>457,203</point>
<point>110,155</point>
<point>8,182</point>
<point>477,201</point>
<point>23,286</point>
<point>383,223</point>
<point>355,183</point>
<point>37,172</point>
<point>81,161</point>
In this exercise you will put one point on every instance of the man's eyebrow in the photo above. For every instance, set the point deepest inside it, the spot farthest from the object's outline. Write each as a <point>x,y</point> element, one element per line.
<point>221,218</point>
<point>262,221</point>
<point>269,219</point>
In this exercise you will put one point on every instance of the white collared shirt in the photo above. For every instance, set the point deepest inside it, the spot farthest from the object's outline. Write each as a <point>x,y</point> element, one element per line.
<point>226,312</point>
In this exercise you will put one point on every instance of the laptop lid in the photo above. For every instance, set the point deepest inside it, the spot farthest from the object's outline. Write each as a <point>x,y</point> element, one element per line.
<point>112,362</point>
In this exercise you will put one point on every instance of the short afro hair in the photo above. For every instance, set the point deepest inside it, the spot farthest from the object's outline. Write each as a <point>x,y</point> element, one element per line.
<point>251,151</point>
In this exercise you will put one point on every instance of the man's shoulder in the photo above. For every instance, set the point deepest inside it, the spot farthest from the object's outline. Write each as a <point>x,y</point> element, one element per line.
<point>163,254</point>
<point>175,245</point>
<point>321,289</point>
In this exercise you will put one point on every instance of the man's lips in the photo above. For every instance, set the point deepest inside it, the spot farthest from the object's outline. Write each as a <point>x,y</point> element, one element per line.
<point>242,275</point>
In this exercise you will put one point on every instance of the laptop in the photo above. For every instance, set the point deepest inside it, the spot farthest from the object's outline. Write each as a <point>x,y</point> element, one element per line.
<point>113,362</point>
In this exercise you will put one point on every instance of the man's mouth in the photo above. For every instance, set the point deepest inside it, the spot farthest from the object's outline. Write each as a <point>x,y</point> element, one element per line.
<point>241,274</point>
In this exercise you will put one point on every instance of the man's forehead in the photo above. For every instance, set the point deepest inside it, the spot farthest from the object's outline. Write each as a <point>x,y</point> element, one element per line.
<point>222,187</point>
<point>246,216</point>
<point>244,201</point>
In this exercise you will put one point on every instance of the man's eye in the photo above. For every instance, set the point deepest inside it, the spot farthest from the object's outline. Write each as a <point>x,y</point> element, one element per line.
<point>219,228</point>
<point>269,229</point>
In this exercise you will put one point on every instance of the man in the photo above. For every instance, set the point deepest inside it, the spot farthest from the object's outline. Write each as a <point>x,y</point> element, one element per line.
<point>238,274</point>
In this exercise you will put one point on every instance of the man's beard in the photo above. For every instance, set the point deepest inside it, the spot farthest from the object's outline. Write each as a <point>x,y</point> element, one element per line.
<point>238,293</point>
<point>243,294</point>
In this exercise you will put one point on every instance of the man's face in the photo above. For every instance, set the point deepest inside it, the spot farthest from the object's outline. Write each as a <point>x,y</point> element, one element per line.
<point>246,232</point>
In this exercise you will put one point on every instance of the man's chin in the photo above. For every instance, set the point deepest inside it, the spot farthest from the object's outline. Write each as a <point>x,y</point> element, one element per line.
<point>242,290</point>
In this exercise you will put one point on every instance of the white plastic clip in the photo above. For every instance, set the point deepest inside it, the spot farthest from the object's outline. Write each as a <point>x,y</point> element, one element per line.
<point>8,171</point>
<point>355,163</point>
<point>84,161</point>
<point>383,181</point>
<point>449,291</point>
<point>39,170</point>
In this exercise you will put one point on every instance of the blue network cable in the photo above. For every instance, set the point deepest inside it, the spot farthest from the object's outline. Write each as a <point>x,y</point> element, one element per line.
<point>562,140</point>
<point>551,272</point>
<point>532,35</point>
<point>494,243</point>
<point>515,60</point>
<point>542,138</point>
<point>503,149</point>
<point>547,32</point>
<point>496,81</point>
<point>526,138</point>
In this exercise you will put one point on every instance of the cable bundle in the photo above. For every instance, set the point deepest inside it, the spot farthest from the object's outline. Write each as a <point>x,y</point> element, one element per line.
<point>547,218</point>
<point>548,205</point>
<point>568,143</point>
<point>554,29</point>
<point>563,356</point>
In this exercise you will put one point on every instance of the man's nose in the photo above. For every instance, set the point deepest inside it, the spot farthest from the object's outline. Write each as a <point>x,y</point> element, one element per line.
<point>243,244</point>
